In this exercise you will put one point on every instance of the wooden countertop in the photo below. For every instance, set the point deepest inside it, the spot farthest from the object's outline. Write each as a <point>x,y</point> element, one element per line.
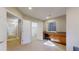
<point>61,36</point>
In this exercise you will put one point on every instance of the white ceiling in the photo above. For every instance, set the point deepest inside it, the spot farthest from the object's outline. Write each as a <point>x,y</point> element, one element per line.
<point>10,16</point>
<point>12,20</point>
<point>43,12</point>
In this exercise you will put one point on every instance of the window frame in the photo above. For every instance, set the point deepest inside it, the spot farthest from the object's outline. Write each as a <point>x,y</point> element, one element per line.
<point>48,26</point>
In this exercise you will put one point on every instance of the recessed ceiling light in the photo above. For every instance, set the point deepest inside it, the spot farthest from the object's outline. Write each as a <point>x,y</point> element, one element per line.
<point>47,17</point>
<point>30,8</point>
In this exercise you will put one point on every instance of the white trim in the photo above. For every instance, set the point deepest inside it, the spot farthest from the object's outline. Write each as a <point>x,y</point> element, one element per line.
<point>8,11</point>
<point>51,31</point>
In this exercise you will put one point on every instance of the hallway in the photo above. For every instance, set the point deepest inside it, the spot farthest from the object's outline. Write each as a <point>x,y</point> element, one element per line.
<point>38,45</point>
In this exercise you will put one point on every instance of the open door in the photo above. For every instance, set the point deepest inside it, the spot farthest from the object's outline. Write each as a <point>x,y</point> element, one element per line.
<point>26,32</point>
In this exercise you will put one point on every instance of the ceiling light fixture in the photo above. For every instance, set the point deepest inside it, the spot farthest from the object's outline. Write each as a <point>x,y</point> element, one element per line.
<point>30,8</point>
<point>49,16</point>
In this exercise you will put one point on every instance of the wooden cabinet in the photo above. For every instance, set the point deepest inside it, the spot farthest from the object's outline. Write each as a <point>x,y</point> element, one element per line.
<point>58,36</point>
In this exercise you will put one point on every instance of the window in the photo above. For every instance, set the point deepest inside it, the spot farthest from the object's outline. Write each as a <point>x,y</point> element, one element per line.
<point>52,26</point>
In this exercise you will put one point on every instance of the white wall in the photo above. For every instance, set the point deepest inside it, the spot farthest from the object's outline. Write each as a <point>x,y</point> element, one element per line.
<point>14,12</point>
<point>72,28</point>
<point>18,14</point>
<point>34,30</point>
<point>60,24</point>
<point>3,25</point>
<point>40,26</point>
<point>40,31</point>
<point>3,29</point>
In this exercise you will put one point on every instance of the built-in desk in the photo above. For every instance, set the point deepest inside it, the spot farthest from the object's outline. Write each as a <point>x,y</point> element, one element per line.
<point>60,36</point>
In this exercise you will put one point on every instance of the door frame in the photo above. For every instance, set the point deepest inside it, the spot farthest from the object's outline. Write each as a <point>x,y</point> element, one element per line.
<point>19,19</point>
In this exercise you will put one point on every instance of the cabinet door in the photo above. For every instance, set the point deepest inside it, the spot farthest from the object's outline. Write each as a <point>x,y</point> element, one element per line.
<point>3,29</point>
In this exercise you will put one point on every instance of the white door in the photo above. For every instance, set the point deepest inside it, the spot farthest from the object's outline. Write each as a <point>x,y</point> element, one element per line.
<point>3,29</point>
<point>26,32</point>
<point>34,30</point>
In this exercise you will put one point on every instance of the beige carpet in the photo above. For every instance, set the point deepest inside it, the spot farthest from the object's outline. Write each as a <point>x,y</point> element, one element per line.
<point>39,45</point>
<point>13,42</point>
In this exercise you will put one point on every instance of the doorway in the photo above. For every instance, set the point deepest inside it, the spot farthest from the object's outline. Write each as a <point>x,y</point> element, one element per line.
<point>13,31</point>
<point>34,30</point>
